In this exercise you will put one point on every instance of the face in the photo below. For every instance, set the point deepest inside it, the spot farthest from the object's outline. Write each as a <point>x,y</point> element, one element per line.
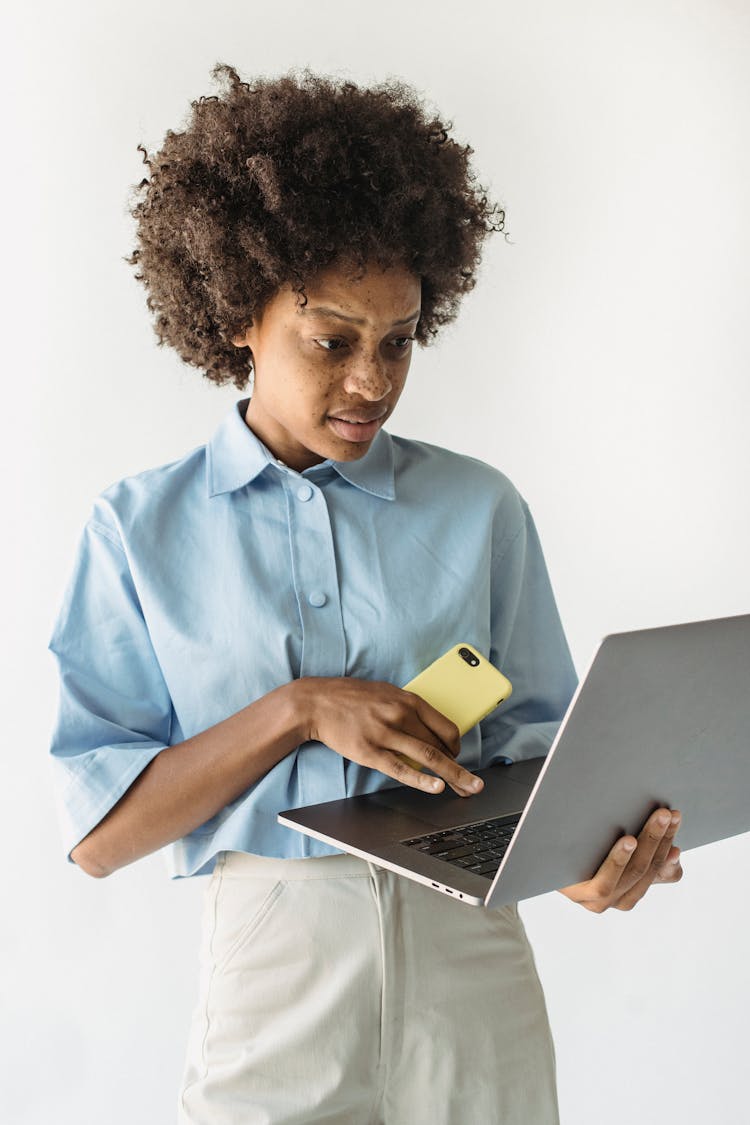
<point>329,374</point>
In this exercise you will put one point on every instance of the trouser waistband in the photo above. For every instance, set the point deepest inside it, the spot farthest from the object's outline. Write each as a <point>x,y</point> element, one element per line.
<point>243,864</point>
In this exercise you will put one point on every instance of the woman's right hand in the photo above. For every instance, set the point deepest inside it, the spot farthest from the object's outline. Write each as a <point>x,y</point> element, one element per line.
<point>373,723</point>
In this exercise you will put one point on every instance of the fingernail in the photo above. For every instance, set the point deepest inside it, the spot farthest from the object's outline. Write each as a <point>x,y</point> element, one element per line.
<point>475,784</point>
<point>663,820</point>
<point>676,818</point>
<point>629,846</point>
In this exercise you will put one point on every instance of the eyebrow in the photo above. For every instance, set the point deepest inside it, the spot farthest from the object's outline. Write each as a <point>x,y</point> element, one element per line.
<point>355,319</point>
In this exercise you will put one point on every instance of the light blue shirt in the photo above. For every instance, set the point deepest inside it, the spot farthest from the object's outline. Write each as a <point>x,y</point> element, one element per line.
<point>203,584</point>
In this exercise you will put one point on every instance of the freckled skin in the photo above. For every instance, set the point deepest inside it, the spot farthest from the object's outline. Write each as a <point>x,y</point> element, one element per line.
<point>311,365</point>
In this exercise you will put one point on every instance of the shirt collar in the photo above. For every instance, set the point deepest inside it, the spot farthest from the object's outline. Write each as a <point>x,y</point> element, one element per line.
<point>236,456</point>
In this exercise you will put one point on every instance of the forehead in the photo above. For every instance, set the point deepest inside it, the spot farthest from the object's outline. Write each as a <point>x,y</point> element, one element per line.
<point>381,294</point>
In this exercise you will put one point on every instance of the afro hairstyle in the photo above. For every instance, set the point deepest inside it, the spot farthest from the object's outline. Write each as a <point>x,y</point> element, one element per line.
<point>280,178</point>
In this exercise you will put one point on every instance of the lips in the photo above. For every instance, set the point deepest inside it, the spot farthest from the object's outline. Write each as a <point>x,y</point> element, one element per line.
<point>356,431</point>
<point>358,415</point>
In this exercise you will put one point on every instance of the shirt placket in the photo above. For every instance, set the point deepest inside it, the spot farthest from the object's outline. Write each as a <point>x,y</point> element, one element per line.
<point>316,583</point>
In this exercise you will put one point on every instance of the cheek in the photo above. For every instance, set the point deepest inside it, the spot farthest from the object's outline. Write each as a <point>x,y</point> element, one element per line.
<point>309,380</point>
<point>326,397</point>
<point>308,393</point>
<point>295,376</point>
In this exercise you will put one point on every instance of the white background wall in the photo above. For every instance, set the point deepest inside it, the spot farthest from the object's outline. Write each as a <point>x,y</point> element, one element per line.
<point>601,362</point>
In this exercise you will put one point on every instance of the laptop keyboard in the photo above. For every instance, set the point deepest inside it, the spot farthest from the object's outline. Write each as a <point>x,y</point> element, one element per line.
<point>476,847</point>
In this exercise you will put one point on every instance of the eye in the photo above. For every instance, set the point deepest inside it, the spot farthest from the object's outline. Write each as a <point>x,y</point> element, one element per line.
<point>401,342</point>
<point>331,340</point>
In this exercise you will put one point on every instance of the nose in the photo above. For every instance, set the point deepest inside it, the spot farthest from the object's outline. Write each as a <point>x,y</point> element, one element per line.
<point>367,376</point>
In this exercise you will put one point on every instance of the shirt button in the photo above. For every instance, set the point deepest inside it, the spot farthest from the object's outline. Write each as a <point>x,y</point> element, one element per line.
<point>317,598</point>
<point>304,492</point>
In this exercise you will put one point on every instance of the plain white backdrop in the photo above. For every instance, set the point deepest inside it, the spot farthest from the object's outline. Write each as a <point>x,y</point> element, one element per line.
<point>601,362</point>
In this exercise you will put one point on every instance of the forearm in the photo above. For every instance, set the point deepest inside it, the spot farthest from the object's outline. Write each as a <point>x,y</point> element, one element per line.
<point>186,784</point>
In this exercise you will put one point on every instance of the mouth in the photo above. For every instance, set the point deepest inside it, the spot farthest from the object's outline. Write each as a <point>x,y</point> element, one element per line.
<point>356,431</point>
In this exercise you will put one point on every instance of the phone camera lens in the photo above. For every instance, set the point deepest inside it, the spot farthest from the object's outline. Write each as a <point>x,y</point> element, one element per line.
<point>467,655</point>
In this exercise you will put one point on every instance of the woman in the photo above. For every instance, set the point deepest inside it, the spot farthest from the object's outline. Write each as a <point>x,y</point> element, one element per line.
<point>238,624</point>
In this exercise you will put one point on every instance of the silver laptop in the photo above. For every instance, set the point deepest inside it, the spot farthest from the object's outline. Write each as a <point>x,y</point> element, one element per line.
<point>661,718</point>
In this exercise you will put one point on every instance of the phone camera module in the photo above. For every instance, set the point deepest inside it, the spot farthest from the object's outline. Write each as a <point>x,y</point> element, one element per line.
<point>467,655</point>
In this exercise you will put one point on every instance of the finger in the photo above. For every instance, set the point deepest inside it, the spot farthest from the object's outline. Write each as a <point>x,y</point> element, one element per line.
<point>412,726</point>
<point>648,841</point>
<point>628,900</point>
<point>671,871</point>
<point>665,846</point>
<point>603,884</point>
<point>424,754</point>
<point>431,751</point>
<point>668,872</point>
<point>399,767</point>
<point>636,893</point>
<point>438,724</point>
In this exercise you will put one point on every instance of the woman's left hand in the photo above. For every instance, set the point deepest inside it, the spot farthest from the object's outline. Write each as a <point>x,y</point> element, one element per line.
<point>632,866</point>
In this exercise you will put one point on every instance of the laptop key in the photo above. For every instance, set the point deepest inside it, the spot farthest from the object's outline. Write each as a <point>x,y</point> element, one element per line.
<point>457,853</point>
<point>488,868</point>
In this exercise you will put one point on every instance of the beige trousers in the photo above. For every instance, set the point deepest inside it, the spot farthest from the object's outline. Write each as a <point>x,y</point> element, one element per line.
<point>333,991</point>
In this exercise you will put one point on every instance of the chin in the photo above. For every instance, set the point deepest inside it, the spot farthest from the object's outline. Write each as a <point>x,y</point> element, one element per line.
<point>351,451</point>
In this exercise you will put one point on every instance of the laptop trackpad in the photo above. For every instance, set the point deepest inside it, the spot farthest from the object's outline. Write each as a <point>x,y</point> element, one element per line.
<point>501,796</point>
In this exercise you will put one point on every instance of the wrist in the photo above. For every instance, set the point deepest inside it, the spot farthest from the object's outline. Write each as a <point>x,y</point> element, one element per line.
<point>300,697</point>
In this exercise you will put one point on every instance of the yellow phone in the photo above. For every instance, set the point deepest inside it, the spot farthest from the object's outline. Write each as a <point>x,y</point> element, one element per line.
<point>462,685</point>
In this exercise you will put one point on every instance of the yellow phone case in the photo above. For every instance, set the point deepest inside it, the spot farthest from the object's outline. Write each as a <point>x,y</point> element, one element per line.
<point>465,688</point>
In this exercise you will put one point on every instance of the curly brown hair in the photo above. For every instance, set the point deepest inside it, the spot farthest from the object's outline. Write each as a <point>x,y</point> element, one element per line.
<point>280,178</point>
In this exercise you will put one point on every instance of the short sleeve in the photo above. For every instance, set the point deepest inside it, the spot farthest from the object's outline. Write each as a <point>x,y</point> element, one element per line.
<point>114,712</point>
<point>529,646</point>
